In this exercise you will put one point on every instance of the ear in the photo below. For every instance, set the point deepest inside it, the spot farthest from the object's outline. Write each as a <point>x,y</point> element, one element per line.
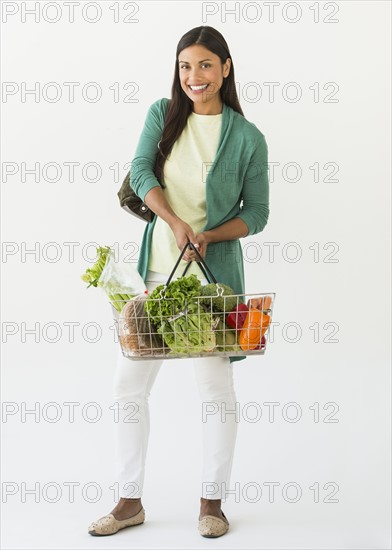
<point>226,67</point>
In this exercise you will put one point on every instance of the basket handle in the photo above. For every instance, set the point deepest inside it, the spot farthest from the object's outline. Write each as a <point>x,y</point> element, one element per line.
<point>201,263</point>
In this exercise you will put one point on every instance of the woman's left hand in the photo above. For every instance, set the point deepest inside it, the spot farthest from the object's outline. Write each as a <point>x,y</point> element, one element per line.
<point>201,244</point>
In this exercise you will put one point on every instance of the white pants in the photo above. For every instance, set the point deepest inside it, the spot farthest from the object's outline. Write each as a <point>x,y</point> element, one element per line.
<point>133,381</point>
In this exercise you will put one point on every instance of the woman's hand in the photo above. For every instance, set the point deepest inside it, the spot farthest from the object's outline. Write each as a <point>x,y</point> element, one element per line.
<point>201,244</point>
<point>184,233</point>
<point>201,240</point>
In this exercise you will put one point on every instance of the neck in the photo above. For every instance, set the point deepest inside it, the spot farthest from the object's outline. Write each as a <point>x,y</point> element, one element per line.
<point>208,108</point>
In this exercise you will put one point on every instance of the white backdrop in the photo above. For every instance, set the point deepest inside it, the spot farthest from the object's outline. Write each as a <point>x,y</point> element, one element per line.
<point>326,120</point>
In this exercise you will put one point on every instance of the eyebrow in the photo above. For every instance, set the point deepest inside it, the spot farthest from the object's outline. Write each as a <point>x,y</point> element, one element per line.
<point>199,61</point>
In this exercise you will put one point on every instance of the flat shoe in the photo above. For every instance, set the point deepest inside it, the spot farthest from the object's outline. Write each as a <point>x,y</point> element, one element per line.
<point>108,525</point>
<point>212,526</point>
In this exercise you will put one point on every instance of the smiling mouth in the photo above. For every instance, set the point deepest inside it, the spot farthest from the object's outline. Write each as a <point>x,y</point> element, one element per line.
<point>198,88</point>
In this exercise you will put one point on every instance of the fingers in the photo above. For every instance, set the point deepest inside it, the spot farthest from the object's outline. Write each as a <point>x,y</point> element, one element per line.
<point>190,255</point>
<point>184,235</point>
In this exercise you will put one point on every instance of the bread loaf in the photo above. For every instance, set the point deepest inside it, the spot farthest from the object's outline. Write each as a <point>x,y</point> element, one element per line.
<point>137,334</point>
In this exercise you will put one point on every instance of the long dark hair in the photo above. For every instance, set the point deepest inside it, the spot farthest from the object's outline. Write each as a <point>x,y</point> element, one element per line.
<point>180,105</point>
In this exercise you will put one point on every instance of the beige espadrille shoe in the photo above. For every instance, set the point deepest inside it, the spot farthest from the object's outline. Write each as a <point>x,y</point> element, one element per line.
<point>212,526</point>
<point>108,525</point>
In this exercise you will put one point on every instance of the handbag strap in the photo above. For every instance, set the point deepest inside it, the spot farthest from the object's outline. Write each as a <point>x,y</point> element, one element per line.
<point>201,263</point>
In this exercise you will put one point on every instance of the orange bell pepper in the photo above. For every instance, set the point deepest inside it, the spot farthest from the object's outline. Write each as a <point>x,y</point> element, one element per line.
<point>254,327</point>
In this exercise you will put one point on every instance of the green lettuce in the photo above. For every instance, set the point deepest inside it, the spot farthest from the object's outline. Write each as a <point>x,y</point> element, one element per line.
<point>177,295</point>
<point>192,332</point>
<point>184,324</point>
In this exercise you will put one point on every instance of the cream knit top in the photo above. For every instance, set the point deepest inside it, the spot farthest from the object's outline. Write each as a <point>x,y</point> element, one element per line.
<point>185,173</point>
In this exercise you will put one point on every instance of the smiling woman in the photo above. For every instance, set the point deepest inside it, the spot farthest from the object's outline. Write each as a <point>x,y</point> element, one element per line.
<point>214,168</point>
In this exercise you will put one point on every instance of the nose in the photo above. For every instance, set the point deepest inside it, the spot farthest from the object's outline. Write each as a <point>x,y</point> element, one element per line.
<point>195,75</point>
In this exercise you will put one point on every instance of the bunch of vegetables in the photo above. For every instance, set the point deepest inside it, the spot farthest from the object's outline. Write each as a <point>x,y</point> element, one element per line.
<point>195,318</point>
<point>184,325</point>
<point>220,300</point>
<point>252,321</point>
<point>93,274</point>
<point>248,322</point>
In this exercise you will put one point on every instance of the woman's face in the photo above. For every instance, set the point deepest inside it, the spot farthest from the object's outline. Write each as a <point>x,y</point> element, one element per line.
<point>201,74</point>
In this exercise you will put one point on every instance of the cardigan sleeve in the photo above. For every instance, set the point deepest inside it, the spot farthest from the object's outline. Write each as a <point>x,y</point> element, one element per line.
<point>142,178</point>
<point>255,190</point>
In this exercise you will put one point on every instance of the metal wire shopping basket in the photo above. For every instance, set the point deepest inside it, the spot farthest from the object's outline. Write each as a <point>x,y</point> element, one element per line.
<point>213,324</point>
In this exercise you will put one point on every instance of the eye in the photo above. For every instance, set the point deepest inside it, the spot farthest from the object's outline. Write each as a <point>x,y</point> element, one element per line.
<point>202,65</point>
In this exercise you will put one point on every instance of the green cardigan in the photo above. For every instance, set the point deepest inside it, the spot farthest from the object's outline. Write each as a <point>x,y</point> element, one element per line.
<point>239,172</point>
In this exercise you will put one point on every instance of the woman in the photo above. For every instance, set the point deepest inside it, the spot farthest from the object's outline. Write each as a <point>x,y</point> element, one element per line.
<point>213,163</point>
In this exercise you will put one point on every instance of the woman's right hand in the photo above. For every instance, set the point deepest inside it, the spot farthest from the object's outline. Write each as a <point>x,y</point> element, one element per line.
<point>184,233</point>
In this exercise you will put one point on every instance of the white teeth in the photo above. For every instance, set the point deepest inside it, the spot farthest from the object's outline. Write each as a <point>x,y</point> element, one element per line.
<point>198,87</point>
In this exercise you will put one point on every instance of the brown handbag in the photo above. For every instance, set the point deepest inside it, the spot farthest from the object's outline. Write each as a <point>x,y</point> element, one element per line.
<point>132,203</point>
